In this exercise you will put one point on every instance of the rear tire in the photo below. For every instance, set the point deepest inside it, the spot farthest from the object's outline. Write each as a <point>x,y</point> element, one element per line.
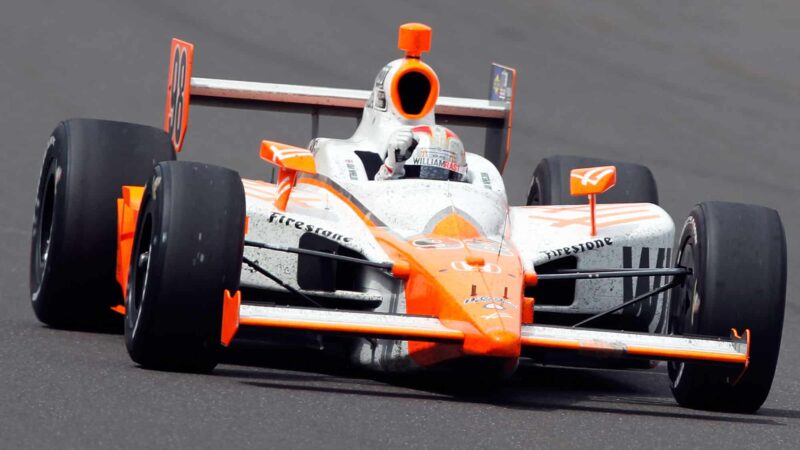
<point>737,254</point>
<point>187,251</point>
<point>635,184</point>
<point>550,182</point>
<point>73,249</point>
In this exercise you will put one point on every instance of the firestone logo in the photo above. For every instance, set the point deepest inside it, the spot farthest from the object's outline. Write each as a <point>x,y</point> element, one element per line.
<point>308,228</point>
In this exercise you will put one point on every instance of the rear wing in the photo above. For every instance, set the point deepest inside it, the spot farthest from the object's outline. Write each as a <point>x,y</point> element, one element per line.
<point>494,114</point>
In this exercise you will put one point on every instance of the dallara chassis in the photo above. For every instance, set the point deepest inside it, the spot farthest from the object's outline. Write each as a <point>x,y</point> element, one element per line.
<point>408,274</point>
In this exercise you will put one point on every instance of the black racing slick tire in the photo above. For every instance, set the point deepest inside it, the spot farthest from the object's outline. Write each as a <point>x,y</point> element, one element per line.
<point>550,182</point>
<point>187,251</point>
<point>737,256</point>
<point>635,184</point>
<point>73,249</point>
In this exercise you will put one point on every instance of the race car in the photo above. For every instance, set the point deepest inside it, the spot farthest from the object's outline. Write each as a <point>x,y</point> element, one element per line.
<point>415,273</point>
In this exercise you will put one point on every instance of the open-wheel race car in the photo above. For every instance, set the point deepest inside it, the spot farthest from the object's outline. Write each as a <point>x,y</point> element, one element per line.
<point>428,270</point>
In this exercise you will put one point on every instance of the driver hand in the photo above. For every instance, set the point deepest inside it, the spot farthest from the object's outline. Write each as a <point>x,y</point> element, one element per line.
<point>400,145</point>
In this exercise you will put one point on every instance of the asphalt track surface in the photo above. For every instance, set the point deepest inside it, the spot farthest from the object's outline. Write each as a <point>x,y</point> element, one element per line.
<point>706,93</point>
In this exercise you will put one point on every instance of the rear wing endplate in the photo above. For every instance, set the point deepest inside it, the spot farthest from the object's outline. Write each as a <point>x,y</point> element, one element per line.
<point>494,114</point>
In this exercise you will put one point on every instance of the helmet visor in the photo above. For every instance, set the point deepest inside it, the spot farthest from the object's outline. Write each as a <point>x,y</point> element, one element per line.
<point>432,173</point>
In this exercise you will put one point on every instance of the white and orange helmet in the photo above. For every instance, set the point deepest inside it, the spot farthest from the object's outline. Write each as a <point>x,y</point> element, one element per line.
<point>438,155</point>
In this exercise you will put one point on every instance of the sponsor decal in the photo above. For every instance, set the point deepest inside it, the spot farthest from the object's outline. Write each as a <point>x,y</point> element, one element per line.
<point>436,157</point>
<point>634,287</point>
<point>578,248</point>
<point>441,243</point>
<point>177,86</point>
<point>351,169</point>
<point>436,162</point>
<point>382,75</point>
<point>463,266</point>
<point>593,176</point>
<point>490,302</point>
<point>487,182</point>
<point>501,84</point>
<point>308,228</point>
<point>496,315</point>
<point>434,153</point>
<point>378,97</point>
<point>380,100</point>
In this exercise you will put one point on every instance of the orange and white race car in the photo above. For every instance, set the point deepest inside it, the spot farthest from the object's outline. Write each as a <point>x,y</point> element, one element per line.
<point>412,273</point>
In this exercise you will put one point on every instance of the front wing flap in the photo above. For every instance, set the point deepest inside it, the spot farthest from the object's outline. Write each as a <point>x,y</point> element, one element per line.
<point>734,350</point>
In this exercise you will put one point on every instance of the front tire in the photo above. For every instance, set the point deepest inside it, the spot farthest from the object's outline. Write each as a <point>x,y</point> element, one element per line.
<point>187,251</point>
<point>737,254</point>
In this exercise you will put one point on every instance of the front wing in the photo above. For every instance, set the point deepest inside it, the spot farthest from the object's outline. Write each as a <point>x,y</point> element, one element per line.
<point>733,350</point>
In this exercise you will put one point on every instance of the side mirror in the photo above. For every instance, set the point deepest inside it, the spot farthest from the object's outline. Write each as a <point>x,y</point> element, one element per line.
<point>591,182</point>
<point>288,157</point>
<point>290,160</point>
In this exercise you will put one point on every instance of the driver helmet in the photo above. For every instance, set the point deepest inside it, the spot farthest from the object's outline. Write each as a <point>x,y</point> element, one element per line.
<point>438,155</point>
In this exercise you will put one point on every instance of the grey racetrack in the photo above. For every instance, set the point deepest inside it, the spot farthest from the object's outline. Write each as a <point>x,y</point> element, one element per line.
<point>706,93</point>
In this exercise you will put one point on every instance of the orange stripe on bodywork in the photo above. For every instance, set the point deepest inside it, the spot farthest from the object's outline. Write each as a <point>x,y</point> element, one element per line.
<point>230,316</point>
<point>127,214</point>
<point>322,184</point>
<point>360,330</point>
<point>627,220</point>
<point>695,355</point>
<point>268,193</point>
<point>286,180</point>
<point>271,189</point>
<point>636,350</point>
<point>602,207</point>
<point>563,222</point>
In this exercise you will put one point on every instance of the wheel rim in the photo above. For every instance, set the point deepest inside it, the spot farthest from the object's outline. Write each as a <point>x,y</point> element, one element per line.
<point>683,299</point>
<point>683,303</point>
<point>140,269</point>
<point>44,222</point>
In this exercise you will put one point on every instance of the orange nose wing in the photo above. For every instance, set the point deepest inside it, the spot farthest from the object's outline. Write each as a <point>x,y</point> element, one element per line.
<point>592,180</point>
